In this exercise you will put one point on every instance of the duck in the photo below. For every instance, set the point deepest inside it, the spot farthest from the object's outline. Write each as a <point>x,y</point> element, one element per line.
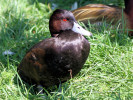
<point>96,13</point>
<point>59,58</point>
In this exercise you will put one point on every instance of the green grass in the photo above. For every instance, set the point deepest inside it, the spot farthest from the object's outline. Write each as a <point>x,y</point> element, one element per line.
<point>107,73</point>
<point>68,3</point>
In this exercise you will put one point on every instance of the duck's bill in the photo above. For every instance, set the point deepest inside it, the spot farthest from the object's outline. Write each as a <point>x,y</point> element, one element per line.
<point>78,29</point>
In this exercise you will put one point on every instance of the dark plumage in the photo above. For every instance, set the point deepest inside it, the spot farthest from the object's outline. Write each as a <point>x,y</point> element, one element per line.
<point>52,60</point>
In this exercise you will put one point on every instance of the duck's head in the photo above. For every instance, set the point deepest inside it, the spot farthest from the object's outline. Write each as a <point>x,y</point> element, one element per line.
<point>62,20</point>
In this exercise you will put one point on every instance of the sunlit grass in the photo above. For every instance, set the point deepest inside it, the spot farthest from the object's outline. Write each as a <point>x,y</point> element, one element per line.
<point>107,73</point>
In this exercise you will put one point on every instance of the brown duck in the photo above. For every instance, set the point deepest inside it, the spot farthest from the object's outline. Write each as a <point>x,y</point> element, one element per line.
<point>59,58</point>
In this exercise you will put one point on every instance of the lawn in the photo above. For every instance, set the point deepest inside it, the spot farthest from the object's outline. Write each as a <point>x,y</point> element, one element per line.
<point>106,75</point>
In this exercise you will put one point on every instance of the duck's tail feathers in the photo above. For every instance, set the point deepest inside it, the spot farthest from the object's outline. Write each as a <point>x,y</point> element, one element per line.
<point>97,13</point>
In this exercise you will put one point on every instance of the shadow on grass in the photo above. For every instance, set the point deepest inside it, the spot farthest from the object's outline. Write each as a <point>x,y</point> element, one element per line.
<point>30,91</point>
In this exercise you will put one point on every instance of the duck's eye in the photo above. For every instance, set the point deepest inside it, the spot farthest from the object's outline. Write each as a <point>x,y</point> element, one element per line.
<point>65,19</point>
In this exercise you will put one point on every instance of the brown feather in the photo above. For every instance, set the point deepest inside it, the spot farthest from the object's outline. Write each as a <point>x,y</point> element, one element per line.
<point>98,12</point>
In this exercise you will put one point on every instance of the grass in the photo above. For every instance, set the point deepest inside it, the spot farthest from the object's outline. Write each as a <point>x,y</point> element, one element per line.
<point>107,73</point>
<point>68,4</point>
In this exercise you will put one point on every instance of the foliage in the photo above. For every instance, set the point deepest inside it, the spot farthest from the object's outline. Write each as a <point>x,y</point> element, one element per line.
<point>107,73</point>
<point>68,3</point>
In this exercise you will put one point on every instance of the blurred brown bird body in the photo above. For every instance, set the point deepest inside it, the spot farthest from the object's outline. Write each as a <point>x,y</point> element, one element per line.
<point>99,12</point>
<point>96,13</point>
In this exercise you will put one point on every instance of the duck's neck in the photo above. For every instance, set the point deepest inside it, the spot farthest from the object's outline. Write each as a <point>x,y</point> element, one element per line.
<point>129,12</point>
<point>55,34</point>
<point>128,6</point>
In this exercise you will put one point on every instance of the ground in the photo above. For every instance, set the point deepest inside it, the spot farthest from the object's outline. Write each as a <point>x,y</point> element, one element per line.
<point>107,73</point>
